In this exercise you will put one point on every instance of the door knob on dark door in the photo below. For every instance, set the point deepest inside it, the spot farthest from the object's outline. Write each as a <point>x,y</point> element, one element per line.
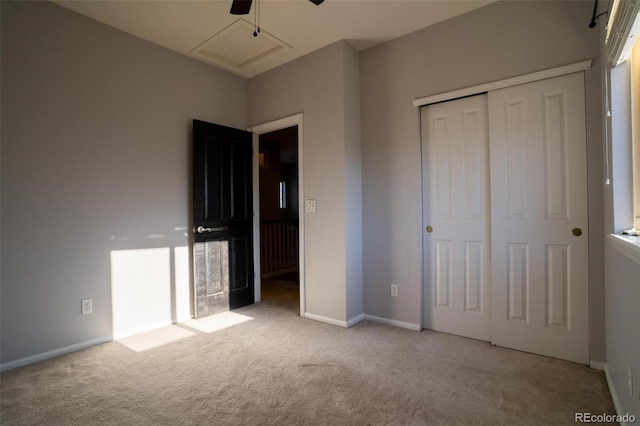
<point>201,229</point>
<point>576,232</point>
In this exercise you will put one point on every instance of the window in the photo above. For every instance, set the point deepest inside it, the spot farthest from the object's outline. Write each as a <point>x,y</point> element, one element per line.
<point>623,54</point>
<point>634,66</point>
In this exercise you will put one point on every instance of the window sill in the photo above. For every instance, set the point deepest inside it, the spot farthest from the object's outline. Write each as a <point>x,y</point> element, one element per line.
<point>627,245</point>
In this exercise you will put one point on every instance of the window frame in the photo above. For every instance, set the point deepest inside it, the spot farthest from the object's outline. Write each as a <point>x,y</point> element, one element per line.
<point>634,84</point>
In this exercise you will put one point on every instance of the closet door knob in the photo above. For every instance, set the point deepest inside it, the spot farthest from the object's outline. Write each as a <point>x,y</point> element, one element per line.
<point>576,232</point>
<point>429,229</point>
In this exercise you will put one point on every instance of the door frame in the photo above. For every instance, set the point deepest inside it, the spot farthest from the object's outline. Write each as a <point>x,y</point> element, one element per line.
<point>271,126</point>
<point>501,84</point>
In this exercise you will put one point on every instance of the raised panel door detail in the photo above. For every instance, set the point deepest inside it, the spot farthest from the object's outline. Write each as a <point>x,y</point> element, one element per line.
<point>211,277</point>
<point>558,282</point>
<point>443,273</point>
<point>239,166</point>
<point>555,135</point>
<point>516,159</point>
<point>213,181</point>
<point>240,256</point>
<point>473,276</point>
<point>473,158</point>
<point>217,267</point>
<point>518,282</point>
<point>441,166</point>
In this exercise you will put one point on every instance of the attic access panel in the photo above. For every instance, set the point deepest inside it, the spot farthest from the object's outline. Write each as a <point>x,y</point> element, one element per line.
<point>235,48</point>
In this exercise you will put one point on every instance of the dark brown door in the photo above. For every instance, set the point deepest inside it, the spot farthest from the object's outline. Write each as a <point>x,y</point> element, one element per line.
<point>222,218</point>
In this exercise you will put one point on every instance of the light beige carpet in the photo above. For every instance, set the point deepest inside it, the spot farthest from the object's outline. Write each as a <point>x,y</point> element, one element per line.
<point>280,369</point>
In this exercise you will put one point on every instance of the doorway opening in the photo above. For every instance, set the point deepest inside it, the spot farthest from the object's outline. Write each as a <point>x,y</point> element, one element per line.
<point>279,218</point>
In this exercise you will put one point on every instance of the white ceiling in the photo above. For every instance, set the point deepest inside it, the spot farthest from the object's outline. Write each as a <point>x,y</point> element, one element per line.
<point>294,27</point>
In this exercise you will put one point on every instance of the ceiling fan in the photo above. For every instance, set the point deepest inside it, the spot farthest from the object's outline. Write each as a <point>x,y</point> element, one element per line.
<point>242,7</point>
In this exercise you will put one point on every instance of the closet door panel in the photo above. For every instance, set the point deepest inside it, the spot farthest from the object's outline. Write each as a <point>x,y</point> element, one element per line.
<point>456,214</point>
<point>540,287</point>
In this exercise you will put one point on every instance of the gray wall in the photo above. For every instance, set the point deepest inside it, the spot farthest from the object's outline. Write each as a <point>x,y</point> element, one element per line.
<point>323,86</point>
<point>95,158</point>
<point>623,339</point>
<point>502,40</point>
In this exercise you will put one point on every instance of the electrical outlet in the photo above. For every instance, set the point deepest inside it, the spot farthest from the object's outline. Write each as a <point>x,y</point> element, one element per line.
<point>87,306</point>
<point>394,290</point>
<point>630,379</point>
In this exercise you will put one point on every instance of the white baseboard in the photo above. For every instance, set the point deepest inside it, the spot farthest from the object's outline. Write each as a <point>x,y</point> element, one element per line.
<point>395,323</point>
<point>353,321</point>
<point>601,366</point>
<point>612,391</point>
<point>326,320</point>
<point>6,366</point>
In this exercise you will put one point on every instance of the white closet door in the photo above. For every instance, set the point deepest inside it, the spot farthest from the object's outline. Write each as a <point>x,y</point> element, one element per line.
<point>456,210</point>
<point>540,289</point>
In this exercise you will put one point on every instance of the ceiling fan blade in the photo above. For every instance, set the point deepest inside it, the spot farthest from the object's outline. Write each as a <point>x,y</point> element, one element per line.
<point>242,7</point>
<point>316,2</point>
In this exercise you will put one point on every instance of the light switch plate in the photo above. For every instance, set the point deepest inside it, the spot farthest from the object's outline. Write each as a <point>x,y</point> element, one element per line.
<point>310,206</point>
